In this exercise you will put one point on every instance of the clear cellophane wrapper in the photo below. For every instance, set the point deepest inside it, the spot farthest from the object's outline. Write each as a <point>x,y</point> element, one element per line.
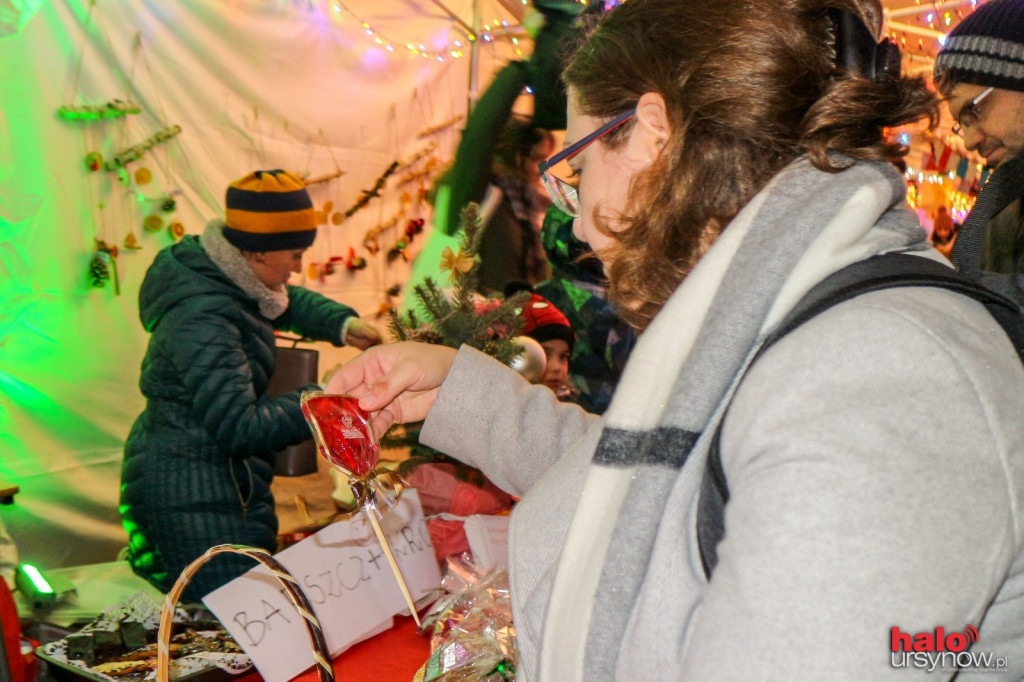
<point>473,638</point>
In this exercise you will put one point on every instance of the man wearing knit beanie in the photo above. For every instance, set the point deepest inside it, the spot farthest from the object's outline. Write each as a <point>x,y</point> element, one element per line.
<point>980,72</point>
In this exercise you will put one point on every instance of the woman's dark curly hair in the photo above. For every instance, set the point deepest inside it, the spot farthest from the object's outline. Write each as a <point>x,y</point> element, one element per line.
<point>748,87</point>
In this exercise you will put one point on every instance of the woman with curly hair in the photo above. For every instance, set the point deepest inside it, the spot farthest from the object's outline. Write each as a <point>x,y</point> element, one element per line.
<point>723,159</point>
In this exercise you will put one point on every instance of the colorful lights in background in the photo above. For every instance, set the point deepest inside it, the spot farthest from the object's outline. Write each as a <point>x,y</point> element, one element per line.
<point>491,32</point>
<point>920,30</point>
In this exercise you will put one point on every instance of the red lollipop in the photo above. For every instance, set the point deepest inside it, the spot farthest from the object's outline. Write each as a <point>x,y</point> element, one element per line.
<point>344,436</point>
<point>342,432</point>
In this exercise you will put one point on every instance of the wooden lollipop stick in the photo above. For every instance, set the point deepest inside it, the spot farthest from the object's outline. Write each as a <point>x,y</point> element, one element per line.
<point>394,565</point>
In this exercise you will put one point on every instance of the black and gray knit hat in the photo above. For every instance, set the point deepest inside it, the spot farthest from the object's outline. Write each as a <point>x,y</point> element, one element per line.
<point>986,48</point>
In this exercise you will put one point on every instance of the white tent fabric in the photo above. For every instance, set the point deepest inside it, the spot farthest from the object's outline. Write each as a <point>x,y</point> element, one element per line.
<point>308,85</point>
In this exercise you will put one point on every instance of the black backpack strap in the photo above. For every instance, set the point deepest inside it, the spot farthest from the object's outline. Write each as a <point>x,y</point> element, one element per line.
<point>874,274</point>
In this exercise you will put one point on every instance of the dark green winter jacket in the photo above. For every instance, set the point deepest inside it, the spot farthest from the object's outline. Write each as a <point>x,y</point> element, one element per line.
<point>199,460</point>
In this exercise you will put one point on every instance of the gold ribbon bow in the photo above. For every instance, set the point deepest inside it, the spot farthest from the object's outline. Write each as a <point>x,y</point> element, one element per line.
<point>459,263</point>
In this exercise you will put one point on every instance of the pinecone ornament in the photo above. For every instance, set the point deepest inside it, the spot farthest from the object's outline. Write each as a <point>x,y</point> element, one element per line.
<point>99,269</point>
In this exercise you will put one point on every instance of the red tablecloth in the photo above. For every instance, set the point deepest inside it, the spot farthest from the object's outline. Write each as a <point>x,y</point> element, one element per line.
<point>392,656</point>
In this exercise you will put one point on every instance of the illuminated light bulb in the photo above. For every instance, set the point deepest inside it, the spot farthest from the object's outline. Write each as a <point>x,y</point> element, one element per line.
<point>472,38</point>
<point>378,40</point>
<point>366,25</point>
<point>369,31</point>
<point>942,39</point>
<point>487,37</point>
<point>458,43</point>
<point>930,17</point>
<point>389,48</point>
<point>515,41</point>
<point>423,48</point>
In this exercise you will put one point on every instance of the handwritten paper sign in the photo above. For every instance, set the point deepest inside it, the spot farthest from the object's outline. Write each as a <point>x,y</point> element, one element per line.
<point>344,574</point>
<point>488,540</point>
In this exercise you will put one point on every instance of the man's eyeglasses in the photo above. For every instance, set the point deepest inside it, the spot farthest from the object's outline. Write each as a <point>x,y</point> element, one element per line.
<point>564,192</point>
<point>969,115</point>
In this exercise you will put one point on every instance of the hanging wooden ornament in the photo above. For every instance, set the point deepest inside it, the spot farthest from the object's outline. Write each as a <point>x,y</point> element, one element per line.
<point>414,228</point>
<point>177,230</point>
<point>99,270</point>
<point>368,194</point>
<point>324,178</point>
<point>143,176</point>
<point>135,153</point>
<point>153,223</point>
<point>335,262</point>
<point>312,271</point>
<point>398,251</point>
<point>103,266</point>
<point>94,161</point>
<point>337,218</point>
<point>354,262</point>
<point>439,127</point>
<point>114,109</point>
<point>132,242</point>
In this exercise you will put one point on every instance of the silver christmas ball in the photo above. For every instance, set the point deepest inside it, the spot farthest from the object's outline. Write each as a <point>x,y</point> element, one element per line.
<point>532,361</point>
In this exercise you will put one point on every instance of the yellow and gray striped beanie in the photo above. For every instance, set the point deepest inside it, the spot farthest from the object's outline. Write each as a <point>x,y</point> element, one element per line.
<point>269,210</point>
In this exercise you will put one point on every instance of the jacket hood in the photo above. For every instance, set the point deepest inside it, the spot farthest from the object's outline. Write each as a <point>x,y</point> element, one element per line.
<point>564,250</point>
<point>182,271</point>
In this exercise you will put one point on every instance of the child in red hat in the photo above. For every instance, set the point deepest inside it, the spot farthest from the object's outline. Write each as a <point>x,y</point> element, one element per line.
<point>546,324</point>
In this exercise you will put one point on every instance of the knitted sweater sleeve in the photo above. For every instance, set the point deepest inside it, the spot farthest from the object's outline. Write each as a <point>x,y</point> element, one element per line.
<point>488,416</point>
<point>879,494</point>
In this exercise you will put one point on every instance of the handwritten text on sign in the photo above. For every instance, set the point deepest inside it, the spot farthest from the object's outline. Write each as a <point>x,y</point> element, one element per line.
<point>346,577</point>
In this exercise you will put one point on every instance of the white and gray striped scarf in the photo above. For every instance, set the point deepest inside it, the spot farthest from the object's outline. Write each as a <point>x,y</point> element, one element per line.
<point>804,226</point>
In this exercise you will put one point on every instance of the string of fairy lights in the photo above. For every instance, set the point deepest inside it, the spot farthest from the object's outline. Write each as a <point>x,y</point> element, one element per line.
<point>496,30</point>
<point>926,20</point>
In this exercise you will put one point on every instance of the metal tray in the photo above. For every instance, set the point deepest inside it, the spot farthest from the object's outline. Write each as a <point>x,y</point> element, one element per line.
<point>65,671</point>
<point>203,665</point>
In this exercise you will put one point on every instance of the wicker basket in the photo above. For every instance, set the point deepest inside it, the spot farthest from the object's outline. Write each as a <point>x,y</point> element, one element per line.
<point>321,657</point>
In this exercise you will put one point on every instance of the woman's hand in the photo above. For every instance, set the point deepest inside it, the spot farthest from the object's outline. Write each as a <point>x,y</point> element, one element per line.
<point>361,335</point>
<point>396,383</point>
